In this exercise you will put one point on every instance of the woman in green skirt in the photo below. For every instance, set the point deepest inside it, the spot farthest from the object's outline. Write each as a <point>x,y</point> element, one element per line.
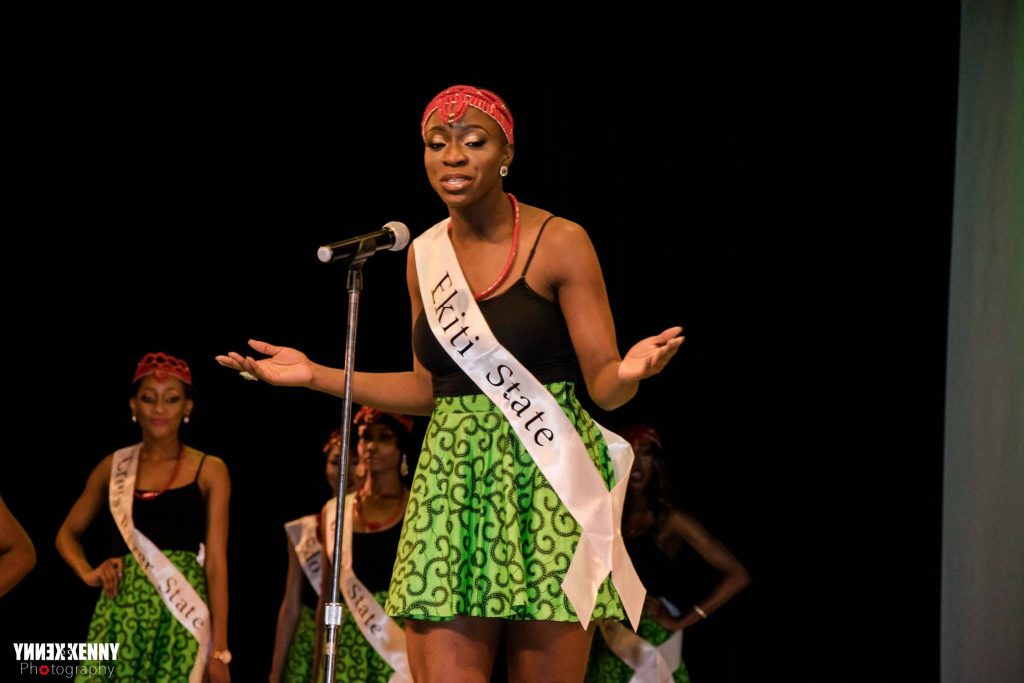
<point>295,634</point>
<point>488,538</point>
<point>378,502</point>
<point>672,552</point>
<point>168,523</point>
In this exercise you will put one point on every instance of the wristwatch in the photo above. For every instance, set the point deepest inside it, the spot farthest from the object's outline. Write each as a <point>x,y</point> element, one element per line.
<point>222,655</point>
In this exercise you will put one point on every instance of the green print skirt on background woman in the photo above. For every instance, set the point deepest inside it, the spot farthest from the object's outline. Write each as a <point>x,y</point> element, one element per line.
<point>154,645</point>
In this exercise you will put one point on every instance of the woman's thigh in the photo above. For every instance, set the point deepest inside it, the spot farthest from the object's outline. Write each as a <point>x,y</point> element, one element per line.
<point>460,650</point>
<point>549,651</point>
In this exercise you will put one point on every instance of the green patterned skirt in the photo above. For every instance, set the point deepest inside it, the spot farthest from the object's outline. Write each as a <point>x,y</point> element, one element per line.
<point>299,661</point>
<point>357,661</point>
<point>485,535</point>
<point>606,667</point>
<point>154,646</point>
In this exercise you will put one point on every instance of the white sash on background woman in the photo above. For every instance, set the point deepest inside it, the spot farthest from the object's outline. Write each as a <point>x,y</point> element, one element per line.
<point>302,533</point>
<point>178,595</point>
<point>650,663</point>
<point>380,630</point>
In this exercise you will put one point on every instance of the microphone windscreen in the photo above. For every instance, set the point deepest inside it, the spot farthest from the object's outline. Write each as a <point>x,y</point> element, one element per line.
<point>401,232</point>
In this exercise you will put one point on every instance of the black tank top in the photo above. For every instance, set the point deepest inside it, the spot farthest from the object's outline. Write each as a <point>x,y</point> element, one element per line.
<point>174,520</point>
<point>528,325</point>
<point>373,557</point>
<point>309,594</point>
<point>684,579</point>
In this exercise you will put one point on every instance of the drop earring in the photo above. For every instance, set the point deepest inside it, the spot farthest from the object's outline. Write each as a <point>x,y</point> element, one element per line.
<point>503,171</point>
<point>404,467</point>
<point>134,419</point>
<point>185,419</point>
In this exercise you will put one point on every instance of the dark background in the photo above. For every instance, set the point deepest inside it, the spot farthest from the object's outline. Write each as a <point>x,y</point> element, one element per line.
<point>777,179</point>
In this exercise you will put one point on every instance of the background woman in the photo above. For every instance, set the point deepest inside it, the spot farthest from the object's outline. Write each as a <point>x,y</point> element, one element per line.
<point>179,502</point>
<point>488,538</point>
<point>17,553</point>
<point>377,507</point>
<point>661,540</point>
<point>295,636</point>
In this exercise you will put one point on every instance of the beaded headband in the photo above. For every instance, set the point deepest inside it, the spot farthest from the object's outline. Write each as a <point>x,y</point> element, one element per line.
<point>333,440</point>
<point>450,105</point>
<point>162,366</point>
<point>369,416</point>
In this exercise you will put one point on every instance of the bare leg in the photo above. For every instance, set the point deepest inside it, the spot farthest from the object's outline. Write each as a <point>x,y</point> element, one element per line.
<point>549,651</point>
<point>461,650</point>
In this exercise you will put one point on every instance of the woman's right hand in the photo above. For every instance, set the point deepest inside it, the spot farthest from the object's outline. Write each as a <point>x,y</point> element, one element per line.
<point>108,574</point>
<point>285,366</point>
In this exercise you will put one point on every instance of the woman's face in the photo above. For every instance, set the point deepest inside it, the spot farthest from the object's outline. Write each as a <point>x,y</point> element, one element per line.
<point>463,158</point>
<point>160,405</point>
<point>333,464</point>
<point>378,448</point>
<point>331,467</point>
<point>643,465</point>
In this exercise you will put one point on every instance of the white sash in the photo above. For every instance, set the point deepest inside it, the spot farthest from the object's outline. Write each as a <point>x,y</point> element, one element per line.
<point>177,593</point>
<point>541,426</point>
<point>650,663</point>
<point>380,630</point>
<point>302,533</point>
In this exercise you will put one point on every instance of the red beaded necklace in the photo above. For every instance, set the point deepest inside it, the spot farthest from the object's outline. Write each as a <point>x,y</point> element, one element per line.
<point>150,495</point>
<point>503,275</point>
<point>374,526</point>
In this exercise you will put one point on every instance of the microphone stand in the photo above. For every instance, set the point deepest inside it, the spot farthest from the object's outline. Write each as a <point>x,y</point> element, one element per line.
<point>333,610</point>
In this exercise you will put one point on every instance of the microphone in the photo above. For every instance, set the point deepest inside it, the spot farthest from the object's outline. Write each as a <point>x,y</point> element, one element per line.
<point>394,236</point>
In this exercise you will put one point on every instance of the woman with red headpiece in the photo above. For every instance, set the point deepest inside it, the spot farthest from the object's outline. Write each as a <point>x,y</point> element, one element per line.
<point>672,552</point>
<point>295,635</point>
<point>295,643</point>
<point>371,645</point>
<point>511,528</point>
<point>165,586</point>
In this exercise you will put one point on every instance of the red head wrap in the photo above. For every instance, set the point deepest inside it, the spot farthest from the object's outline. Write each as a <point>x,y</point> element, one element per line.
<point>635,434</point>
<point>450,105</point>
<point>162,366</point>
<point>333,440</point>
<point>369,416</point>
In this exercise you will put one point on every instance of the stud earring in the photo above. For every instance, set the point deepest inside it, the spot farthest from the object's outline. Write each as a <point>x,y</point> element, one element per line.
<point>503,171</point>
<point>185,419</point>
<point>134,419</point>
<point>404,468</point>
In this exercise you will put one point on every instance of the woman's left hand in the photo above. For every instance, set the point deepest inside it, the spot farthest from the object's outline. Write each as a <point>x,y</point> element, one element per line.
<point>217,672</point>
<point>649,356</point>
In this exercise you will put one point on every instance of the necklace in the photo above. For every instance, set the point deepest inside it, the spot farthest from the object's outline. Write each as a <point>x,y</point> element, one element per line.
<point>375,526</point>
<point>503,275</point>
<point>150,495</point>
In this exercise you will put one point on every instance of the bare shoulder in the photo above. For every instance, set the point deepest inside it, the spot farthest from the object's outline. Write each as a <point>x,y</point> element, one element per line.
<point>564,233</point>
<point>563,253</point>
<point>684,523</point>
<point>214,472</point>
<point>101,473</point>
